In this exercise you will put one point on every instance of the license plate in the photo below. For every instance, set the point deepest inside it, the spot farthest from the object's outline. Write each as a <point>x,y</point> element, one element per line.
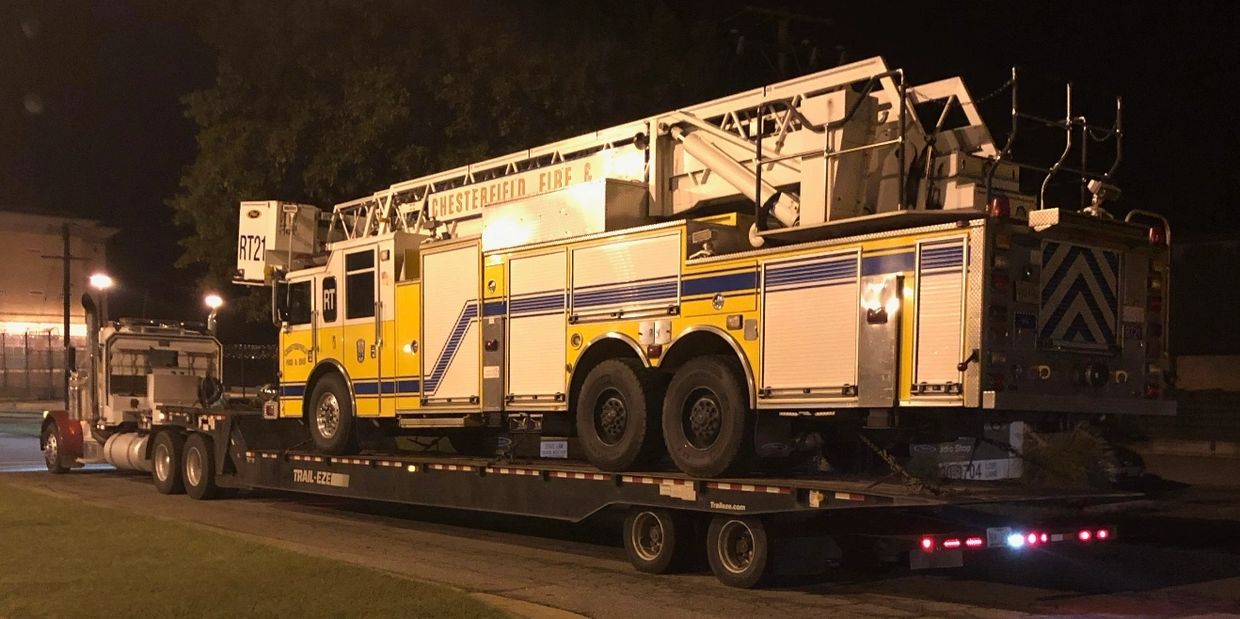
<point>997,536</point>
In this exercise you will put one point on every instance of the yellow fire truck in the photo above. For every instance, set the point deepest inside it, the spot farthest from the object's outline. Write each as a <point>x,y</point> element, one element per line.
<point>718,281</point>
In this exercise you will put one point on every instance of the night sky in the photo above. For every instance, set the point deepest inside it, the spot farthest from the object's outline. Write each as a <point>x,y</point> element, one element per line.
<point>91,122</point>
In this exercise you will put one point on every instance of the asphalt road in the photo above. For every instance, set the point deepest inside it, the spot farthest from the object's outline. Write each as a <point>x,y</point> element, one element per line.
<point>581,568</point>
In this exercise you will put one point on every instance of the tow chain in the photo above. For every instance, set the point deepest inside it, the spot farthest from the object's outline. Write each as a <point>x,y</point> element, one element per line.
<point>911,481</point>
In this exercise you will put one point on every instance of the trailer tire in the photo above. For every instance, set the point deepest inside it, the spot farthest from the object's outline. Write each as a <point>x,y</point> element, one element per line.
<point>166,451</point>
<point>50,445</point>
<point>739,551</point>
<point>617,415</point>
<point>707,424</point>
<point>330,417</point>
<point>657,541</point>
<point>198,469</point>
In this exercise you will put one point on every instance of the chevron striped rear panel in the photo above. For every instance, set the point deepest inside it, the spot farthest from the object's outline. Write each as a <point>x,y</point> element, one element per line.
<point>1080,292</point>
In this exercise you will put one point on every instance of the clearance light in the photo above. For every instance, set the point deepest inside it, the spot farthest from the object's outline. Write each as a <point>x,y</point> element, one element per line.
<point>974,542</point>
<point>1044,538</point>
<point>1016,540</point>
<point>1085,535</point>
<point>951,543</point>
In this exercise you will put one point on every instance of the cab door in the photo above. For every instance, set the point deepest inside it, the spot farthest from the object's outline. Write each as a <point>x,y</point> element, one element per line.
<point>328,345</point>
<point>360,333</point>
<point>296,344</point>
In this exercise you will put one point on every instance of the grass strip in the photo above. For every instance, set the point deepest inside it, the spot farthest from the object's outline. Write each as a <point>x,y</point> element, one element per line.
<point>61,558</point>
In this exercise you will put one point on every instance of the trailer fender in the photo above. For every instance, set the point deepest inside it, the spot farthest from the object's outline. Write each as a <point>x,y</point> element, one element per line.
<point>68,434</point>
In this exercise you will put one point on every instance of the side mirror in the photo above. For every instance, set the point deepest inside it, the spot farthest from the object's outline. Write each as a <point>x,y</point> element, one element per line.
<point>279,305</point>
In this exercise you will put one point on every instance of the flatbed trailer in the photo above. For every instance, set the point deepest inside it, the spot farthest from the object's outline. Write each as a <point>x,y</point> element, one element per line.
<point>670,515</point>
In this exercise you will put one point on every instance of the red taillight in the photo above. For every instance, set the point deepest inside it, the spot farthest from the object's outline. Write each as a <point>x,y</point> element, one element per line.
<point>1000,280</point>
<point>1152,391</point>
<point>1102,534</point>
<point>999,207</point>
<point>1031,539</point>
<point>997,381</point>
<point>951,543</point>
<point>927,544</point>
<point>1085,535</point>
<point>1157,236</point>
<point>974,542</point>
<point>1044,538</point>
<point>1154,303</point>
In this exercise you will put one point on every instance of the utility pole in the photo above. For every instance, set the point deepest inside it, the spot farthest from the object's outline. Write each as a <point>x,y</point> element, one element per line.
<point>70,358</point>
<point>66,257</point>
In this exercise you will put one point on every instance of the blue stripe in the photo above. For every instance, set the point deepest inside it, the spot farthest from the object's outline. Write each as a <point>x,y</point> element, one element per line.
<point>292,390</point>
<point>628,293</point>
<point>371,387</point>
<point>538,303</point>
<point>816,271</point>
<point>720,283</point>
<point>495,308</point>
<point>890,263</point>
<point>631,282</point>
<point>468,313</point>
<point>801,279</point>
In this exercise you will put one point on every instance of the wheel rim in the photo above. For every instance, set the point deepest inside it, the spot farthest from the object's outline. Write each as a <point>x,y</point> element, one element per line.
<point>611,417</point>
<point>193,466</point>
<point>737,544</point>
<point>703,419</point>
<point>163,461</point>
<point>327,417</point>
<point>51,449</point>
<point>648,536</point>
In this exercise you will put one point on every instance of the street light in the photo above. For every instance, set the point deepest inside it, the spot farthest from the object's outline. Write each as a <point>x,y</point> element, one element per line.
<point>215,302</point>
<point>102,282</point>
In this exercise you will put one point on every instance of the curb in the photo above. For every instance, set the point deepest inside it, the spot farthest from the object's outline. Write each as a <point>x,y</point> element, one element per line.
<point>1184,447</point>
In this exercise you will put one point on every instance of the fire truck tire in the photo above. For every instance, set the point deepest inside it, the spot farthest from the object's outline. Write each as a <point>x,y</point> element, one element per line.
<point>739,551</point>
<point>198,469</point>
<point>617,415</point>
<point>50,443</point>
<point>166,451</point>
<point>658,541</point>
<point>706,418</point>
<point>330,417</point>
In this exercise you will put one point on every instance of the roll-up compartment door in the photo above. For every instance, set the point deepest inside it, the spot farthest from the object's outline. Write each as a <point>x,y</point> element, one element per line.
<point>938,342</point>
<point>537,329</point>
<point>451,335</point>
<point>809,338</point>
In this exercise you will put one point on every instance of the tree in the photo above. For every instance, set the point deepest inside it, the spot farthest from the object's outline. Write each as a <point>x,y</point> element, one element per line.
<point>328,100</point>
